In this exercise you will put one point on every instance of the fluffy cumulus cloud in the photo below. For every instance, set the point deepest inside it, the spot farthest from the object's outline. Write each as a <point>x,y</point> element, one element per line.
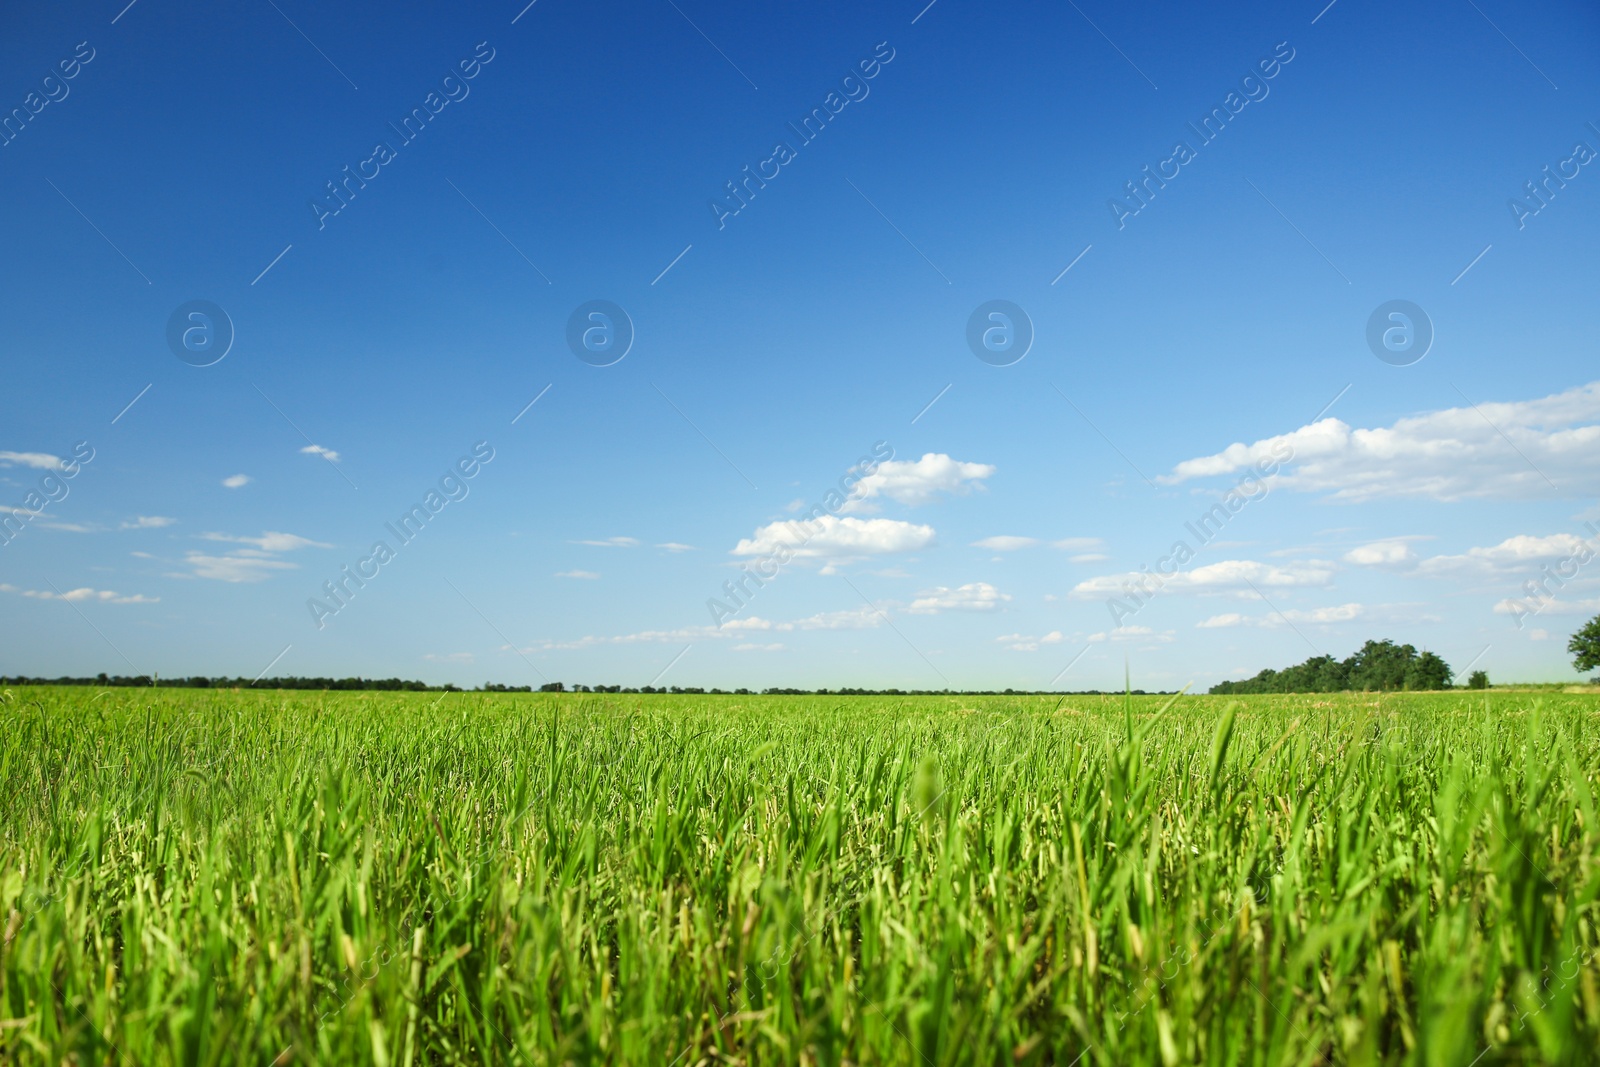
<point>83,595</point>
<point>974,596</point>
<point>1232,577</point>
<point>916,482</point>
<point>1395,553</point>
<point>254,563</point>
<point>1514,450</point>
<point>317,450</point>
<point>1521,554</point>
<point>831,531</point>
<point>236,481</point>
<point>1554,571</point>
<point>833,538</point>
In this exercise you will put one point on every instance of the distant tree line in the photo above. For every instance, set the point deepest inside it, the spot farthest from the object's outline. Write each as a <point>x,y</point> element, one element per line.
<point>403,685</point>
<point>199,682</point>
<point>1378,666</point>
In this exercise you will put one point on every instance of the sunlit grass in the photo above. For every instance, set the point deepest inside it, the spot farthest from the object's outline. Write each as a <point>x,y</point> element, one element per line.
<point>205,877</point>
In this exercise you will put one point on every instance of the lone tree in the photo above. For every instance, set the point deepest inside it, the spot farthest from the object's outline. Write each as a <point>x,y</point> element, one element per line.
<point>1585,646</point>
<point>1478,680</point>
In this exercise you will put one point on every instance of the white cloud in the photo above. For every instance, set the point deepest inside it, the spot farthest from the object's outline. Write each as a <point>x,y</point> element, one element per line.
<point>1381,554</point>
<point>236,567</point>
<point>1323,616</point>
<point>1332,614</point>
<point>41,521</point>
<point>1079,544</point>
<point>674,546</point>
<point>1502,451</point>
<point>38,460</point>
<point>235,481</point>
<point>1131,633</point>
<point>1547,606</point>
<point>1028,643</point>
<point>1089,557</point>
<point>730,628</point>
<point>860,618</point>
<point>317,450</point>
<point>269,541</point>
<point>253,564</point>
<point>1514,555</point>
<point>85,594</point>
<point>577,574</point>
<point>1520,554</point>
<point>148,522</point>
<point>863,618</point>
<point>1538,635</point>
<point>53,524</point>
<point>610,542</point>
<point>974,596</point>
<point>1231,577</point>
<point>916,482</point>
<point>837,539</point>
<point>1005,543</point>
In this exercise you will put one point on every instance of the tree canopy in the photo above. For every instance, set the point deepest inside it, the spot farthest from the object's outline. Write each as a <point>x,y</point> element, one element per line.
<point>1585,646</point>
<point>1379,666</point>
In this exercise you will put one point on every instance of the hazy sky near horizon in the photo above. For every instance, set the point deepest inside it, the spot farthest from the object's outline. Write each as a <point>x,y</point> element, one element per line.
<point>396,221</point>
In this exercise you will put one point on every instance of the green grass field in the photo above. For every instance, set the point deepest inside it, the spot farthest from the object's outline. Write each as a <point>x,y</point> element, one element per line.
<point>200,877</point>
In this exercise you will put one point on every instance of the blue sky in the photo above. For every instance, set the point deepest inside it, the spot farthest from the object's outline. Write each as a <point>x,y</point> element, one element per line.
<point>374,348</point>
